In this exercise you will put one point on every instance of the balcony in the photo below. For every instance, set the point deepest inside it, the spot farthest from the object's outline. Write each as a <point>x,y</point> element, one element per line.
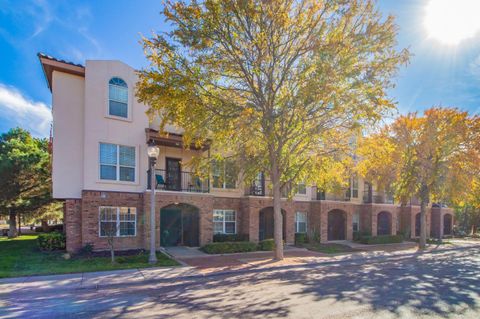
<point>179,181</point>
<point>371,197</point>
<point>341,196</point>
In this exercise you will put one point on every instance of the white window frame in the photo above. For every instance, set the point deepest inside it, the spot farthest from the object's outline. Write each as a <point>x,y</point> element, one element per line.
<point>297,222</point>
<point>354,179</point>
<point>129,102</point>
<point>223,211</point>
<point>356,219</point>
<point>133,210</point>
<point>224,182</point>
<point>117,166</point>
<point>298,189</point>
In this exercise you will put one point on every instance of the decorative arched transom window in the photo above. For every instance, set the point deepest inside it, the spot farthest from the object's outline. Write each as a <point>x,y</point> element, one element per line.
<point>117,98</point>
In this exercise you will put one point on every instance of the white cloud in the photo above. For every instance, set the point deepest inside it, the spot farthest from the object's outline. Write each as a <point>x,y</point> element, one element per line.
<point>18,110</point>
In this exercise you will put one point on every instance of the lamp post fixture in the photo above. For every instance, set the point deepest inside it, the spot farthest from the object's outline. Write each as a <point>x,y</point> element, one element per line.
<point>152,152</point>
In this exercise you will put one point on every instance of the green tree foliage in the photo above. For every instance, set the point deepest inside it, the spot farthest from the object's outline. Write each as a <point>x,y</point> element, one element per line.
<point>431,157</point>
<point>277,85</point>
<point>25,179</point>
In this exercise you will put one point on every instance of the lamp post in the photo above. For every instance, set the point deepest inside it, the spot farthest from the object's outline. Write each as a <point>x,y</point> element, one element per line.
<point>152,152</point>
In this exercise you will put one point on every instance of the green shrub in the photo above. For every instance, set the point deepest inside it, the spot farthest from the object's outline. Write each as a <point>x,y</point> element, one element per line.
<point>229,247</point>
<point>221,238</point>
<point>384,239</point>
<point>301,238</point>
<point>267,244</point>
<point>357,235</point>
<point>51,241</point>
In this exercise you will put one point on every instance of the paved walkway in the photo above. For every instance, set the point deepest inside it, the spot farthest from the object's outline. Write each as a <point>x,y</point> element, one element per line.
<point>212,266</point>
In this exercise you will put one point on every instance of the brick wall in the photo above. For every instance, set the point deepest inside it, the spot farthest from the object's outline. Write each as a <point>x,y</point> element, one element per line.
<point>73,224</point>
<point>91,202</point>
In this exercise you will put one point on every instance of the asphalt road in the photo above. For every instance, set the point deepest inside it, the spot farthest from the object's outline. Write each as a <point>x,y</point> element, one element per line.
<point>440,285</point>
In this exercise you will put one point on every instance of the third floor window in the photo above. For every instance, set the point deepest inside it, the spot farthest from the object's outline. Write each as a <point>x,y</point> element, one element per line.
<point>117,98</point>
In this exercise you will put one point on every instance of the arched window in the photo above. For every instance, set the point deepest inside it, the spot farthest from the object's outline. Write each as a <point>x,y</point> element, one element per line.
<point>117,98</point>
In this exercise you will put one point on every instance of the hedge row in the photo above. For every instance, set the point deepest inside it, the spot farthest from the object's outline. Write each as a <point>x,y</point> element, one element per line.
<point>229,247</point>
<point>51,241</point>
<point>221,238</point>
<point>238,247</point>
<point>384,239</point>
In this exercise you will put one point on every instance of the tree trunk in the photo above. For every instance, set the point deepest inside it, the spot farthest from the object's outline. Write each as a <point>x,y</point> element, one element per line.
<point>423,225</point>
<point>45,227</point>
<point>112,255</point>
<point>12,233</point>
<point>277,216</point>
<point>19,224</point>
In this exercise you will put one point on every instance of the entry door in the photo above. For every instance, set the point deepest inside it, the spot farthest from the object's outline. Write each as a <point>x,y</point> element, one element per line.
<point>174,177</point>
<point>170,227</point>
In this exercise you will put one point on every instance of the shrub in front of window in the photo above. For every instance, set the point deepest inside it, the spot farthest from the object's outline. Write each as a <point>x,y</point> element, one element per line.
<point>51,241</point>
<point>301,238</point>
<point>221,238</point>
<point>229,247</point>
<point>266,245</point>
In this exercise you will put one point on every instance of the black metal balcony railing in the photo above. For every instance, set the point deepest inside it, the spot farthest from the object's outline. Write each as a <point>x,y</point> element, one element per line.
<point>258,186</point>
<point>342,196</point>
<point>179,181</point>
<point>370,197</point>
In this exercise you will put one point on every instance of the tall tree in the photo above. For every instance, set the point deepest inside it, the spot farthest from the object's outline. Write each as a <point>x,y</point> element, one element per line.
<point>429,157</point>
<point>277,85</point>
<point>24,174</point>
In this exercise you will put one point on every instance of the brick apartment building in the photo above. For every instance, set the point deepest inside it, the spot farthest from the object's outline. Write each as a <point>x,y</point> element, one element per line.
<point>100,170</point>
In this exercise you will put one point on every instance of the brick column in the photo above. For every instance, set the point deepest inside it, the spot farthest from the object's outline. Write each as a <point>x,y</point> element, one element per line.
<point>73,224</point>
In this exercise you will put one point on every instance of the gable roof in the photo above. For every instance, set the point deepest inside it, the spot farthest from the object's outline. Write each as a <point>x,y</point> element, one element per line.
<point>50,64</point>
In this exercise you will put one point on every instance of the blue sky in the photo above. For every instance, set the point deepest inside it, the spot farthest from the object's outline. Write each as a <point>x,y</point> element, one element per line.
<point>438,74</point>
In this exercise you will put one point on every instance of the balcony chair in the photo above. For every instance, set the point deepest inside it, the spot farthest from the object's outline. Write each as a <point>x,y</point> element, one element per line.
<point>159,181</point>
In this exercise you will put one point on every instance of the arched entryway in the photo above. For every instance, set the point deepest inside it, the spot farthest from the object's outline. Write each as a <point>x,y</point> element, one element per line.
<point>384,223</point>
<point>447,224</point>
<point>337,225</point>
<point>179,225</point>
<point>266,225</point>
<point>417,225</point>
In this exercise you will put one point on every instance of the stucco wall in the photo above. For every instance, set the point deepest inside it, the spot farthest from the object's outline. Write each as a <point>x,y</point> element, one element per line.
<point>99,127</point>
<point>68,131</point>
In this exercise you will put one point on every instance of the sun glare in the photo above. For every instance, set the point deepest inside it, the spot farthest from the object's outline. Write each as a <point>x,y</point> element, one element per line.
<point>452,21</point>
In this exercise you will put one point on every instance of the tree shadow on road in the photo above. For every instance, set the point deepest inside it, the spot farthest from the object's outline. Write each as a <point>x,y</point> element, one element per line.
<point>439,286</point>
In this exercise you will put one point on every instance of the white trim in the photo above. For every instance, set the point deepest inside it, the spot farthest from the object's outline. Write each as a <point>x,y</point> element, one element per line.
<point>117,208</point>
<point>117,166</point>
<point>298,222</point>
<point>129,101</point>
<point>223,221</point>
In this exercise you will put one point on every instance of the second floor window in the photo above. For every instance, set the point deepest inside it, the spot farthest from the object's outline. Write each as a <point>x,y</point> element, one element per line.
<point>117,98</point>
<point>117,162</point>
<point>224,174</point>
<point>354,186</point>
<point>302,189</point>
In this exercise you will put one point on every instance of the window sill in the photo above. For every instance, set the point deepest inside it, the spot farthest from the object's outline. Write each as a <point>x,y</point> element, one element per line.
<point>118,118</point>
<point>112,182</point>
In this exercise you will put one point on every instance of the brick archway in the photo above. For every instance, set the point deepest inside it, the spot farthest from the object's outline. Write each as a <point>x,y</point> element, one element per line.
<point>266,223</point>
<point>337,225</point>
<point>417,225</point>
<point>384,223</point>
<point>447,224</point>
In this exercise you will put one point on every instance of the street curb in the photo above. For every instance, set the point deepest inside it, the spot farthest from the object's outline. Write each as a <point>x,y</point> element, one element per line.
<point>286,267</point>
<point>353,261</point>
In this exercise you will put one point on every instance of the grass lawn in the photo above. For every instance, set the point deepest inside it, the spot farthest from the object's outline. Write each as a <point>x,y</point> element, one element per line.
<point>328,248</point>
<point>21,257</point>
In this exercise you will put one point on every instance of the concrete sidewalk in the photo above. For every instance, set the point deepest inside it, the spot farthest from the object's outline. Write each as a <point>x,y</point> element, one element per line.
<point>123,278</point>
